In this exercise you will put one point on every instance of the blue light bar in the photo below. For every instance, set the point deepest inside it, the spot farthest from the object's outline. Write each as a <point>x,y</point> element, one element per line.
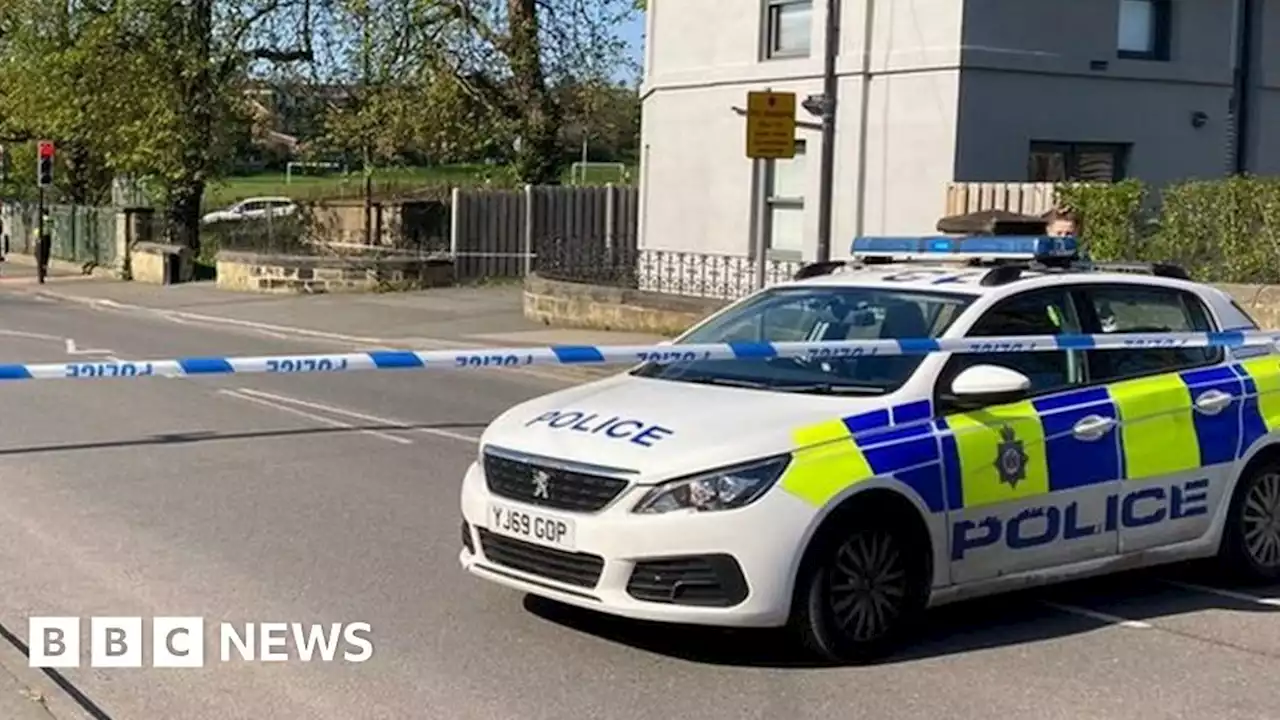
<point>942,247</point>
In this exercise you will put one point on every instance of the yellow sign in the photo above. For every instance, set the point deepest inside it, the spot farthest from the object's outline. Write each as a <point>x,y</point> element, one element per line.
<point>771,125</point>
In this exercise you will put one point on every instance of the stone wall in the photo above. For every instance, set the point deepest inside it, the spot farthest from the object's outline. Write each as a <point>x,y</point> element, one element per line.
<point>579,305</point>
<point>160,264</point>
<point>254,272</point>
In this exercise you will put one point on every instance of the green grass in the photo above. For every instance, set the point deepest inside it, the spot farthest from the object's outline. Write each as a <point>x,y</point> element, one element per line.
<point>386,181</point>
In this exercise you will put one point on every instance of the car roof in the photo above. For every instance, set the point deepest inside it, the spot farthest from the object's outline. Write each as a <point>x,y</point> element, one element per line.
<point>962,279</point>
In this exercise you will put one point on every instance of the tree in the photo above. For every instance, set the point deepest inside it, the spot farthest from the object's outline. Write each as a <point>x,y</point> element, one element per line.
<point>490,69</point>
<point>395,105</point>
<point>602,118</point>
<point>191,89</point>
<point>59,75</point>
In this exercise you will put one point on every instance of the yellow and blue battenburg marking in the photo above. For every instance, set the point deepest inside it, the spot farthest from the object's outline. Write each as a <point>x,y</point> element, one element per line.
<point>1261,415</point>
<point>955,462</point>
<point>894,442</point>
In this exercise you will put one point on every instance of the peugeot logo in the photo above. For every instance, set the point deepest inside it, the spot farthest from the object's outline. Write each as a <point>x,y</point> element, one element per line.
<point>541,485</point>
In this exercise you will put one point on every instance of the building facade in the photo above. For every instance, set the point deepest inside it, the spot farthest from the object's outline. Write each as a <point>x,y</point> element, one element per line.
<point>939,91</point>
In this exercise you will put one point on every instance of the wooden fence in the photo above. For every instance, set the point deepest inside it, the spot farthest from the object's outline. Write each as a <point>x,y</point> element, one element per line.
<point>1024,198</point>
<point>497,233</point>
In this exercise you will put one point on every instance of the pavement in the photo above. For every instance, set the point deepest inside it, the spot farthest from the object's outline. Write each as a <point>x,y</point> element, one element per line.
<point>333,499</point>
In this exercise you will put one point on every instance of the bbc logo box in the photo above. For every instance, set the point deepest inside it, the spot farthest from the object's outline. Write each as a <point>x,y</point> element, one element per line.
<point>179,642</point>
<point>176,642</point>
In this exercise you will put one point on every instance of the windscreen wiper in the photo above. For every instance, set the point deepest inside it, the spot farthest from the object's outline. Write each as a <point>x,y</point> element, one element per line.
<point>831,389</point>
<point>726,381</point>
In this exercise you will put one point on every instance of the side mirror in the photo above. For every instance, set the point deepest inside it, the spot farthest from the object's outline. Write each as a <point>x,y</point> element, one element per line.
<point>989,385</point>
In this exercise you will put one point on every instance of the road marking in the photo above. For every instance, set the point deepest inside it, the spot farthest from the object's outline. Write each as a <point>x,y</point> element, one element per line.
<point>1094,614</point>
<point>180,316</point>
<point>358,415</point>
<point>1234,595</point>
<point>73,350</point>
<point>30,335</point>
<point>318,418</point>
<point>566,375</point>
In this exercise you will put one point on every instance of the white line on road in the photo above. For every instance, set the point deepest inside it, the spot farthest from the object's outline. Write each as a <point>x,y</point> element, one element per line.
<point>1094,614</point>
<point>561,375</point>
<point>358,415</point>
<point>1234,595</point>
<point>318,418</point>
<point>30,335</point>
<point>73,350</point>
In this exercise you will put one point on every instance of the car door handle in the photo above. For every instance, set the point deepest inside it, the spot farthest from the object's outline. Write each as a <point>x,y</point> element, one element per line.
<point>1093,427</point>
<point>1213,402</point>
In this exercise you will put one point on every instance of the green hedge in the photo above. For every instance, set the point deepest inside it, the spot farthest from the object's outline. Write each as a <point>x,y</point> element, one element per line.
<point>1222,231</point>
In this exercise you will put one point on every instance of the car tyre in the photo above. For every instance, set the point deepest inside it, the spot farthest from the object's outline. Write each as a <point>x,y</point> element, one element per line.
<point>862,593</point>
<point>1250,547</point>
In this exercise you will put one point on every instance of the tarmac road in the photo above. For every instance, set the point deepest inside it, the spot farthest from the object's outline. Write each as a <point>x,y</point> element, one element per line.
<point>334,499</point>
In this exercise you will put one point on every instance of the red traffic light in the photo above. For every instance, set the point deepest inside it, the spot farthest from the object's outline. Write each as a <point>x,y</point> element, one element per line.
<point>46,149</point>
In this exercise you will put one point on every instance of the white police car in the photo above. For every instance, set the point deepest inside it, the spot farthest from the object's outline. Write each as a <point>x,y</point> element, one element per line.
<point>842,495</point>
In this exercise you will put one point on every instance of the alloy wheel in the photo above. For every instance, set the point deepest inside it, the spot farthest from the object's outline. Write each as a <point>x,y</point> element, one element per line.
<point>868,586</point>
<point>1261,520</point>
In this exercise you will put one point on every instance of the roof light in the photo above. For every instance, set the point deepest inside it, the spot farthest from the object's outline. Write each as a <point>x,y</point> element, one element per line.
<point>982,247</point>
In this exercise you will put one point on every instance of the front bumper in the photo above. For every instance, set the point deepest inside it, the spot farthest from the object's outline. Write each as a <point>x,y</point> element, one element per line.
<point>731,568</point>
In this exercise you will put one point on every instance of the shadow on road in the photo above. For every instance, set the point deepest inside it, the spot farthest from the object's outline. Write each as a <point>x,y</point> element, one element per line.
<point>1013,619</point>
<point>199,436</point>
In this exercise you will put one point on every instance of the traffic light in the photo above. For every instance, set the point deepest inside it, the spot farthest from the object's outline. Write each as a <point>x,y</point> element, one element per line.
<point>44,167</point>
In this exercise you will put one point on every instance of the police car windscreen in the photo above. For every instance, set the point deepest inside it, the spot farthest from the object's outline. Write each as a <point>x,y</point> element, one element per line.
<point>818,314</point>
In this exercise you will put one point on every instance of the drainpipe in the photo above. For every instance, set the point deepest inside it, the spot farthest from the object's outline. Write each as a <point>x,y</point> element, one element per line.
<point>830,83</point>
<point>1242,92</point>
<point>864,112</point>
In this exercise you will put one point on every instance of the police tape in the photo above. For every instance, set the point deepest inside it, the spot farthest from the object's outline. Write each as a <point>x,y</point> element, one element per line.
<point>510,358</point>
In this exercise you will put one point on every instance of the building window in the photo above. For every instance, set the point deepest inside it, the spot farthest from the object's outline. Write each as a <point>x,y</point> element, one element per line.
<point>788,25</point>
<point>1144,29</point>
<point>1054,162</point>
<point>785,183</point>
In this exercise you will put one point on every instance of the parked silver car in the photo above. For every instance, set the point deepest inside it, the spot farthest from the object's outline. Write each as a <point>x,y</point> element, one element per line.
<point>258,208</point>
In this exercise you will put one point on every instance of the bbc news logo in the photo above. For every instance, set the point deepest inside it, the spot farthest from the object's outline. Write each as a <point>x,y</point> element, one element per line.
<point>179,642</point>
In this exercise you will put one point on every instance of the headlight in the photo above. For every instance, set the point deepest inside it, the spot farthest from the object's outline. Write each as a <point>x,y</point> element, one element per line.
<point>724,489</point>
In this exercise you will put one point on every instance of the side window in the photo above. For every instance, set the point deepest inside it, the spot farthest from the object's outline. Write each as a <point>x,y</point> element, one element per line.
<point>1132,309</point>
<point>1043,312</point>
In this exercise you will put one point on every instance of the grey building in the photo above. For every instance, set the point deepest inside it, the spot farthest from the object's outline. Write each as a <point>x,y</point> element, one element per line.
<point>1107,89</point>
<point>935,91</point>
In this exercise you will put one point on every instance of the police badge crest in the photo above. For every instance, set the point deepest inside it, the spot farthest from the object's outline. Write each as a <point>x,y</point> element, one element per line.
<point>1011,459</point>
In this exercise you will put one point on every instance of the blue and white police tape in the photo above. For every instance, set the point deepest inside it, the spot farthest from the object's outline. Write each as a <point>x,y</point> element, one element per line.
<point>507,358</point>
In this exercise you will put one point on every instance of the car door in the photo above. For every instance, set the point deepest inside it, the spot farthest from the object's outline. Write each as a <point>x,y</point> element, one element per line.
<point>252,210</point>
<point>1180,413</point>
<point>276,208</point>
<point>1027,481</point>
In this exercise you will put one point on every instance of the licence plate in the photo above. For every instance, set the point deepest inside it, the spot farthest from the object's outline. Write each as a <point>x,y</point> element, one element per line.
<point>532,527</point>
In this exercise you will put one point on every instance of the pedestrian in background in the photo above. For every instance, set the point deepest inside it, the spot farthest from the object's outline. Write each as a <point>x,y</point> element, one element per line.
<point>1062,222</point>
<point>44,246</point>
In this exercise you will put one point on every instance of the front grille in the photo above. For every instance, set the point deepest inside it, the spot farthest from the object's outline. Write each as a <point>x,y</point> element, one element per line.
<point>578,569</point>
<point>565,489</point>
<point>710,580</point>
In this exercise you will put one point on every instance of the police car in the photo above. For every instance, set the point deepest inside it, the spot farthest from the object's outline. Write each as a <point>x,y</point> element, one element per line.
<point>843,496</point>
